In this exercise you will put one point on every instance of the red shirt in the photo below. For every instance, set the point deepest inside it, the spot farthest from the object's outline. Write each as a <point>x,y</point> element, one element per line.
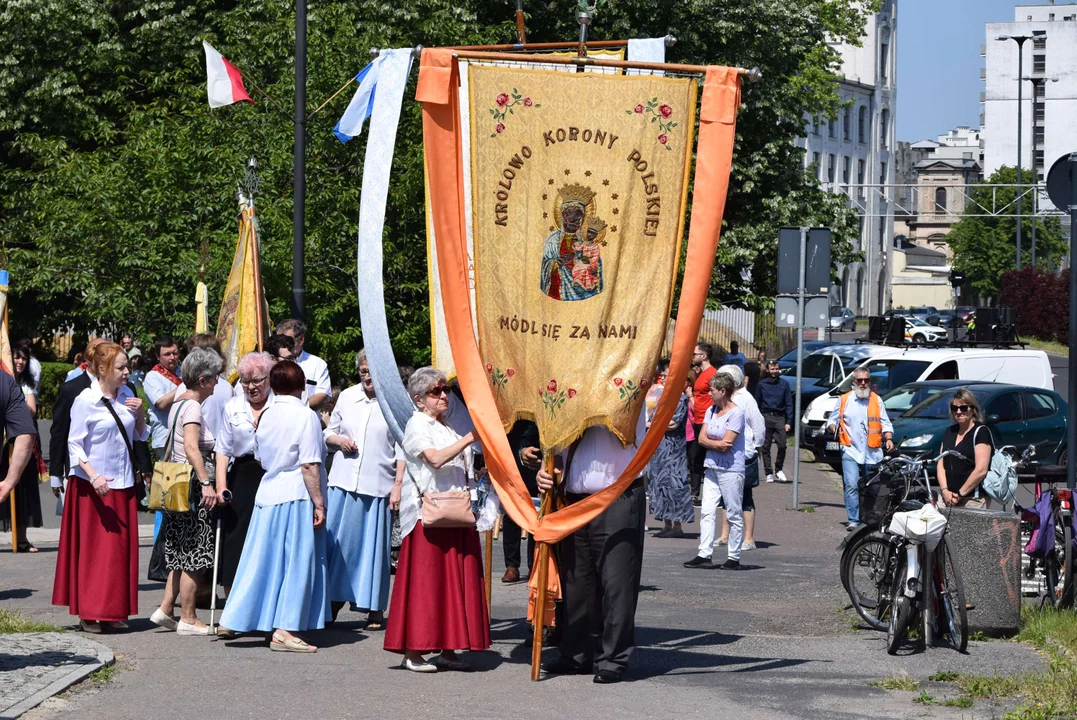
<point>701,394</point>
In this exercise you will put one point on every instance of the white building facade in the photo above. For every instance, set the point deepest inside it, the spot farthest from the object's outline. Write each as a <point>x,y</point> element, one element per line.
<point>1049,109</point>
<point>855,152</point>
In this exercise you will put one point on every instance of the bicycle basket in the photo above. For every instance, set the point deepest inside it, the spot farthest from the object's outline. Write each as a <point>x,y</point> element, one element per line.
<point>879,496</point>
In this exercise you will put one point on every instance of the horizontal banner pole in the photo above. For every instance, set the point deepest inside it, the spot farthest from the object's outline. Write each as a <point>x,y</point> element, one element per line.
<point>754,74</point>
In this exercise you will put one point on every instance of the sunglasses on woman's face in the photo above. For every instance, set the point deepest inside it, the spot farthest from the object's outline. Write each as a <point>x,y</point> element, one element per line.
<point>437,391</point>
<point>959,408</point>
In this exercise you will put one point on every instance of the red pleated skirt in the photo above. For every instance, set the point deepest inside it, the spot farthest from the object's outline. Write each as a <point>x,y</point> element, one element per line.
<point>439,599</point>
<point>97,564</point>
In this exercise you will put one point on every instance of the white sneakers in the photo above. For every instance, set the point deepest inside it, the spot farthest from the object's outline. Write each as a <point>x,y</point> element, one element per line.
<point>185,628</point>
<point>160,619</point>
<point>781,477</point>
<point>770,478</point>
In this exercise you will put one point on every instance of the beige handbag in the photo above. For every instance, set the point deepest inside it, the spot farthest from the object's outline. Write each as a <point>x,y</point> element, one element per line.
<point>170,488</point>
<point>446,509</point>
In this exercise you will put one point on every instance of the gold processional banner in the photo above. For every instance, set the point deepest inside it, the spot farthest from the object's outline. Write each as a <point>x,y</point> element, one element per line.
<point>240,328</point>
<point>579,184</point>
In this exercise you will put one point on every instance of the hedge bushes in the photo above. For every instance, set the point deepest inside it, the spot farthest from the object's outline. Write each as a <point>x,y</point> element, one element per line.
<point>1041,302</point>
<point>52,377</point>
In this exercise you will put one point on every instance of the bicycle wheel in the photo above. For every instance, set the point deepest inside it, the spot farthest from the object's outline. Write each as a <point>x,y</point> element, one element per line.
<point>900,607</point>
<point>867,580</point>
<point>1065,600</point>
<point>1058,566</point>
<point>951,593</point>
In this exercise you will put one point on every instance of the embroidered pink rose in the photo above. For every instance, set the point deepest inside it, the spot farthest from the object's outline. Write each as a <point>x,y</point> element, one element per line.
<point>663,138</point>
<point>639,109</point>
<point>551,386</point>
<point>500,127</point>
<point>618,382</point>
<point>527,102</point>
<point>502,99</point>
<point>571,393</point>
<point>509,372</point>
<point>665,110</point>
<point>489,367</point>
<point>644,383</point>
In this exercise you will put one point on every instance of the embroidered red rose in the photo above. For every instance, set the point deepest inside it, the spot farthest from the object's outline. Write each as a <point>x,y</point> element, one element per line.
<point>639,109</point>
<point>551,386</point>
<point>644,383</point>
<point>571,393</point>
<point>665,110</point>
<point>502,99</point>
<point>663,138</point>
<point>618,382</point>
<point>489,367</point>
<point>509,372</point>
<point>527,102</point>
<point>500,127</point>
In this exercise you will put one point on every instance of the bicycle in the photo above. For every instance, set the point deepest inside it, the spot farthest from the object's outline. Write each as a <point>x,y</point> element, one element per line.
<point>1049,567</point>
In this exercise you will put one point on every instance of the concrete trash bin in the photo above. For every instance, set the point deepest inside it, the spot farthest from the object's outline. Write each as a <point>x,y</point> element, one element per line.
<point>987,548</point>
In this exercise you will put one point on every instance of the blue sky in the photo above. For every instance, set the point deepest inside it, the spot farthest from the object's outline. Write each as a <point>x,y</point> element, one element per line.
<point>938,75</point>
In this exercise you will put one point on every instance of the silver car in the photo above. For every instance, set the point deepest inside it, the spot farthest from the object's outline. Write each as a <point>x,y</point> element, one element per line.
<point>842,319</point>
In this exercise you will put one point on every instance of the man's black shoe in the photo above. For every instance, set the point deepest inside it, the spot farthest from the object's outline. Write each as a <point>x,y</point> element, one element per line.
<point>607,677</point>
<point>699,562</point>
<point>564,667</point>
<point>730,565</point>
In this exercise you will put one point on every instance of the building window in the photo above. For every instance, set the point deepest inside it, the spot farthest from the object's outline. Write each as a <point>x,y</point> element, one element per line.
<point>882,234</point>
<point>830,168</point>
<point>1038,112</point>
<point>847,117</point>
<point>1038,134</point>
<point>862,125</point>
<point>832,128</point>
<point>882,173</point>
<point>884,127</point>
<point>940,200</point>
<point>860,172</point>
<point>1039,91</point>
<point>1039,160</point>
<point>1039,64</point>
<point>846,163</point>
<point>884,61</point>
<point>815,126</point>
<point>1040,43</point>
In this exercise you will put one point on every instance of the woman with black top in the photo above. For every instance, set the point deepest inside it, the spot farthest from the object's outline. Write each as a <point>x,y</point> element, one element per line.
<point>960,477</point>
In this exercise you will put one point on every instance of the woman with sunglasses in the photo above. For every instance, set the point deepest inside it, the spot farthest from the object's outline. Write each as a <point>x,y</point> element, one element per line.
<point>438,601</point>
<point>960,477</point>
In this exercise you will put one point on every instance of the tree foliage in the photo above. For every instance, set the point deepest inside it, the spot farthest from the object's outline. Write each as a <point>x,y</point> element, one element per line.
<point>118,181</point>
<point>986,247</point>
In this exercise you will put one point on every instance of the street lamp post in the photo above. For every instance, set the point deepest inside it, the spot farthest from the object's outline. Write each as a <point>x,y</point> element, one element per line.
<point>1037,82</point>
<point>1020,40</point>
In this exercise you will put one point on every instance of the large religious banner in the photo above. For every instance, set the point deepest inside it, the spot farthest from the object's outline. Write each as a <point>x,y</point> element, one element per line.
<point>578,188</point>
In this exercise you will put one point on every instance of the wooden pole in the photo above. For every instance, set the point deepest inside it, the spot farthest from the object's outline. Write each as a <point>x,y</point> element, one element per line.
<point>330,98</point>
<point>753,74</point>
<point>542,567</point>
<point>489,569</point>
<point>521,33</point>
<point>11,499</point>
<point>259,296</point>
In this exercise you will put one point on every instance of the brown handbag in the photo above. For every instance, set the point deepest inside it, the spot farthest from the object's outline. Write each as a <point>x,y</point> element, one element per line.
<point>446,509</point>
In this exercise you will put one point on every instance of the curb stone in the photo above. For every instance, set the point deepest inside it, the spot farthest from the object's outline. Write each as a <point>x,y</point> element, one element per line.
<point>63,659</point>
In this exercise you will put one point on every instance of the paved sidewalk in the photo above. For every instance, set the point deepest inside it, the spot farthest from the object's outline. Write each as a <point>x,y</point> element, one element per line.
<point>36,666</point>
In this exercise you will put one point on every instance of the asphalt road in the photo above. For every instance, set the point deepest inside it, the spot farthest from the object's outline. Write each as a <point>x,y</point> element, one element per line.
<point>775,641</point>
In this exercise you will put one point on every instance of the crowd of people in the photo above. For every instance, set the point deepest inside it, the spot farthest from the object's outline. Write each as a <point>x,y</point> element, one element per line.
<point>316,505</point>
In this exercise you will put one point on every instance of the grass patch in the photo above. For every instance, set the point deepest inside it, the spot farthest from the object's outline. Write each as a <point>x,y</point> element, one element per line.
<point>807,508</point>
<point>13,621</point>
<point>1055,348</point>
<point>961,702</point>
<point>105,675</point>
<point>895,682</point>
<point>924,699</point>
<point>982,686</point>
<point>980,636</point>
<point>944,676</point>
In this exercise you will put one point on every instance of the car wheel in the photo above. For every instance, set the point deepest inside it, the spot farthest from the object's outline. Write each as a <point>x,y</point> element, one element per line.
<point>918,338</point>
<point>852,326</point>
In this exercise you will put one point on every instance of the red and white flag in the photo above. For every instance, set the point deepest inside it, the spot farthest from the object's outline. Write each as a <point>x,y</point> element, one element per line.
<point>224,84</point>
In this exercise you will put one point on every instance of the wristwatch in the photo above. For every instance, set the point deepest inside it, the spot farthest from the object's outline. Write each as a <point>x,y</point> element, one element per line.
<point>204,483</point>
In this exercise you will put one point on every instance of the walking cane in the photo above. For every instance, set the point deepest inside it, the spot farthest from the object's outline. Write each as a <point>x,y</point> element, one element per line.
<point>11,499</point>
<point>227,497</point>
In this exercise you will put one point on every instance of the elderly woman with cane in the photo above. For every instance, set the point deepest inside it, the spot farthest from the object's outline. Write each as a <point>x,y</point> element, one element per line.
<point>238,471</point>
<point>188,537</point>
<point>280,584</point>
<point>358,522</point>
<point>97,567</point>
<point>438,601</point>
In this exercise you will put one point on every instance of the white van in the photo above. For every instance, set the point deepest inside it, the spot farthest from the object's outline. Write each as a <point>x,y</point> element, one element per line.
<point>893,369</point>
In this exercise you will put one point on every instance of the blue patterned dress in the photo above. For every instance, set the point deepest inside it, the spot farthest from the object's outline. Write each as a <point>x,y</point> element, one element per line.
<point>668,489</point>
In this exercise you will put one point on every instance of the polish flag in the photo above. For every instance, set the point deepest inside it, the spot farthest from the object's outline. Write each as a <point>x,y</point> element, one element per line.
<point>224,84</point>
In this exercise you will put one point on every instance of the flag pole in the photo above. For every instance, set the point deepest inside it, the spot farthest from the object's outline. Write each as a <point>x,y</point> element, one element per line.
<point>331,97</point>
<point>542,568</point>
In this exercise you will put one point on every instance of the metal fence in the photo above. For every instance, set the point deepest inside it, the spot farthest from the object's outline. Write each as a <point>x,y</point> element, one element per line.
<point>752,331</point>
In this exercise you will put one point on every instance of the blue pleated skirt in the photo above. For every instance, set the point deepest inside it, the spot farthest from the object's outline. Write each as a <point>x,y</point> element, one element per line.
<point>281,579</point>
<point>358,527</point>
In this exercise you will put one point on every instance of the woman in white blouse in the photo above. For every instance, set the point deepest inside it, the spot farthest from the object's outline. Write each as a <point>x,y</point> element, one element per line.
<point>357,513</point>
<point>280,585</point>
<point>237,469</point>
<point>438,601</point>
<point>97,566</point>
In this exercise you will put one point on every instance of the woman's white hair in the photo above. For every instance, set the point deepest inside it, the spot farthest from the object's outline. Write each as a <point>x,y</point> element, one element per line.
<point>200,363</point>
<point>734,372</point>
<point>255,363</point>
<point>423,379</point>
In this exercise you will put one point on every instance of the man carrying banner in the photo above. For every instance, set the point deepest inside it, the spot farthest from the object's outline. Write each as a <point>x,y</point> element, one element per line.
<point>602,561</point>
<point>314,368</point>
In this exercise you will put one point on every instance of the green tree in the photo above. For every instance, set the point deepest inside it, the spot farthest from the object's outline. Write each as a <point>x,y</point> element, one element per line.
<point>118,181</point>
<point>984,242</point>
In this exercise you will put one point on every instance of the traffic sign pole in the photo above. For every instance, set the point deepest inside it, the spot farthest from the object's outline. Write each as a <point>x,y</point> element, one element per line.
<point>800,368</point>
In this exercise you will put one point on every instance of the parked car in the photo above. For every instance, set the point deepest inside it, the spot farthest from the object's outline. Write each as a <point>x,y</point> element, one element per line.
<point>789,360</point>
<point>967,312</point>
<point>842,319</point>
<point>950,319</point>
<point>826,368</point>
<point>927,313</point>
<point>918,331</point>
<point>1018,415</point>
<point>897,402</point>
<point>897,367</point>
